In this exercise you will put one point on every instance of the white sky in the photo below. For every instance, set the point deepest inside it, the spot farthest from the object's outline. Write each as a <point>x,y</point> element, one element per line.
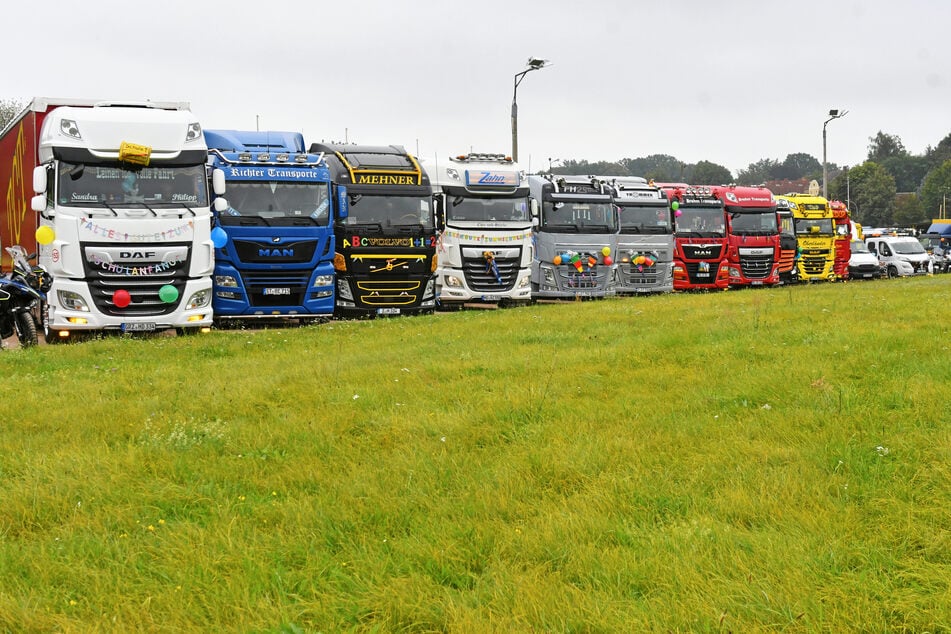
<point>730,82</point>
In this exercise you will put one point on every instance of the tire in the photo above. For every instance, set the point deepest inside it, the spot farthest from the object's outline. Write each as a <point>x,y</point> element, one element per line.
<point>892,272</point>
<point>26,330</point>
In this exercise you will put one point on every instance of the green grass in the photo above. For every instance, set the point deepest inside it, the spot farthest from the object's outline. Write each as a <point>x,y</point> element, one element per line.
<point>764,460</point>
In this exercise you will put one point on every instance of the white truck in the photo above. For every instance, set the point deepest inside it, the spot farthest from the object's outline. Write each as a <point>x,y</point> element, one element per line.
<point>485,246</point>
<point>575,237</point>
<point>645,241</point>
<point>120,215</point>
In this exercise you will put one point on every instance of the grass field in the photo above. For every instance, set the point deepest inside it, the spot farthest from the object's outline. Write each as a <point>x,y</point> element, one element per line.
<point>747,461</point>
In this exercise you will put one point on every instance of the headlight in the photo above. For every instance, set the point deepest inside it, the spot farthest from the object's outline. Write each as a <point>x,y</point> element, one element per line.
<point>453,282</point>
<point>198,299</point>
<point>226,281</point>
<point>549,277</point>
<point>343,290</point>
<point>72,301</point>
<point>324,280</point>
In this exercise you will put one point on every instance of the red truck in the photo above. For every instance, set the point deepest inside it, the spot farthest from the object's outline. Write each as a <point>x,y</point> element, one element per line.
<point>843,238</point>
<point>700,244</point>
<point>753,235</point>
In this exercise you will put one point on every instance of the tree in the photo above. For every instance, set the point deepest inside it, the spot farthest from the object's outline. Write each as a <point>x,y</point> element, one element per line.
<point>798,165</point>
<point>882,146</point>
<point>938,155</point>
<point>9,108</point>
<point>909,171</point>
<point>758,172</point>
<point>662,168</point>
<point>909,211</point>
<point>871,188</point>
<point>707,173</point>
<point>936,190</point>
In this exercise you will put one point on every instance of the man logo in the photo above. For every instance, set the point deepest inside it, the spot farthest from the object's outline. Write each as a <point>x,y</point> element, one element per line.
<point>276,253</point>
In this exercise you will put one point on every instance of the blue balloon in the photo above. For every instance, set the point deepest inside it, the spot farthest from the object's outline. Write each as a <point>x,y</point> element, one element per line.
<point>218,237</point>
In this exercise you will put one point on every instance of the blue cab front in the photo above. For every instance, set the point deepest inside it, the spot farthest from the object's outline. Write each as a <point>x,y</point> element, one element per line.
<point>274,241</point>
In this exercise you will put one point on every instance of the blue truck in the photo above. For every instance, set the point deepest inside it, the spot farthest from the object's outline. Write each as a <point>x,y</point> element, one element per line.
<point>278,217</point>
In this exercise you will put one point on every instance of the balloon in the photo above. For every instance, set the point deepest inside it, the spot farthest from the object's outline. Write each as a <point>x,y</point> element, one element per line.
<point>608,260</point>
<point>121,298</point>
<point>675,205</point>
<point>557,260</point>
<point>218,237</point>
<point>606,251</point>
<point>168,293</point>
<point>45,234</point>
<point>677,213</point>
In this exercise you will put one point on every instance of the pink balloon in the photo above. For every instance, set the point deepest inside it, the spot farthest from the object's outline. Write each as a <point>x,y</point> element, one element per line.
<point>121,298</point>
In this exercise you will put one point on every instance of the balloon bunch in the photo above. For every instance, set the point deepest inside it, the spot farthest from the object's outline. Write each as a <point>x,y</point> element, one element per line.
<point>676,207</point>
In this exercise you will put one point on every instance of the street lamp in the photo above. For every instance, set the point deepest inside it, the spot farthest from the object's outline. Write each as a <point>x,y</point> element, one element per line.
<point>534,63</point>
<point>833,114</point>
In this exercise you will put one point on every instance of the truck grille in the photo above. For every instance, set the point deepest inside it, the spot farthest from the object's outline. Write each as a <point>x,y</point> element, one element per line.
<point>142,280</point>
<point>255,283</point>
<point>482,280</point>
<point>814,262</point>
<point>756,267</point>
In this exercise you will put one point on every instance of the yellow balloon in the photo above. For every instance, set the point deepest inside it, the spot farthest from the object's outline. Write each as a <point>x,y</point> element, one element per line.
<point>45,234</point>
<point>606,251</point>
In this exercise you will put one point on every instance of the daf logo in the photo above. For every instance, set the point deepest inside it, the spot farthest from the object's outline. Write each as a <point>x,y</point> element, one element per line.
<point>136,255</point>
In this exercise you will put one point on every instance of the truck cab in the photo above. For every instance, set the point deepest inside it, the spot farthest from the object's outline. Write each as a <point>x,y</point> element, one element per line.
<point>485,245</point>
<point>575,237</point>
<point>700,238</point>
<point>277,259</point>
<point>645,242</point>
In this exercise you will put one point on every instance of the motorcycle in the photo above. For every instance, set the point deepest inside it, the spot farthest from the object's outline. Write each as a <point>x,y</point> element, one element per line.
<point>22,297</point>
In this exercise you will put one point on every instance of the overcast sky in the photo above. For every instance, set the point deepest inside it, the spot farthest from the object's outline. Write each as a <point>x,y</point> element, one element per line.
<point>730,82</point>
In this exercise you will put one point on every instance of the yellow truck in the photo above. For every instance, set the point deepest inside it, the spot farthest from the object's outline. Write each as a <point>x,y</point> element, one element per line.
<point>815,234</point>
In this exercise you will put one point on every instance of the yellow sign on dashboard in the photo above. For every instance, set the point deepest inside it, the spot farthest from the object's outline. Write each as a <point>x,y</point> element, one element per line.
<point>134,153</point>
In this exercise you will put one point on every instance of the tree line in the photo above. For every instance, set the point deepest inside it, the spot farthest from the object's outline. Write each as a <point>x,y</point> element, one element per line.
<point>891,188</point>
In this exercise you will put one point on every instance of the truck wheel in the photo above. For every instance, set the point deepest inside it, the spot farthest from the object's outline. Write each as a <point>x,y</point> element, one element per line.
<point>892,271</point>
<point>26,330</point>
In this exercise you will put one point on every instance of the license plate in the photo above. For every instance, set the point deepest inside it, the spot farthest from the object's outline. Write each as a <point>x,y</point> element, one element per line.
<point>139,326</point>
<point>387,311</point>
<point>491,298</point>
<point>756,283</point>
<point>703,273</point>
<point>283,290</point>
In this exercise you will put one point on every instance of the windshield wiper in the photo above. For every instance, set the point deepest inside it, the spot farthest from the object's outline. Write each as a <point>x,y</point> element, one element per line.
<point>563,227</point>
<point>367,225</point>
<point>631,228</point>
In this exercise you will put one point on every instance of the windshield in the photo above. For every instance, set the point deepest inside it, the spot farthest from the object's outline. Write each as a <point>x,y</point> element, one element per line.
<point>755,224</point>
<point>390,211</point>
<point>786,226</point>
<point>908,247</point>
<point>80,185</point>
<point>277,201</point>
<point>580,217</point>
<point>485,209</point>
<point>858,246</point>
<point>814,226</point>
<point>700,222</point>
<point>644,219</point>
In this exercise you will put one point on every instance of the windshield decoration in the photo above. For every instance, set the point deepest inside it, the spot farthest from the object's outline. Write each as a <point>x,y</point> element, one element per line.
<point>491,267</point>
<point>135,153</point>
<point>481,237</point>
<point>181,232</point>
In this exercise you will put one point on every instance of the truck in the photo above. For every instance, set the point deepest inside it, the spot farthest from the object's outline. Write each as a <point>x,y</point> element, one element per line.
<point>277,261</point>
<point>700,238</point>
<point>484,248</point>
<point>385,254</point>
<point>645,242</point>
<point>114,198</point>
<point>575,235</point>
<point>753,235</point>
<point>816,236</point>
<point>842,224</point>
<point>788,245</point>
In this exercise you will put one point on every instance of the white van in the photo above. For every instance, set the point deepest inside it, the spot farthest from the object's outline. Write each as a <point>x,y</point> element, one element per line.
<point>900,255</point>
<point>863,265</point>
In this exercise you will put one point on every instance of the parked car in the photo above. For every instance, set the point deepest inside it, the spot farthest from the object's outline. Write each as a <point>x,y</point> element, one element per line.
<point>863,264</point>
<point>900,255</point>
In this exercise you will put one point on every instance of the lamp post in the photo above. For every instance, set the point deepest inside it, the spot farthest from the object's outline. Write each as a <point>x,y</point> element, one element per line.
<point>534,63</point>
<point>833,114</point>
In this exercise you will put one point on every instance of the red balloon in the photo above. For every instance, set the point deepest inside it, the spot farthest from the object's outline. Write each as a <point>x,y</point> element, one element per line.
<point>608,260</point>
<point>121,298</point>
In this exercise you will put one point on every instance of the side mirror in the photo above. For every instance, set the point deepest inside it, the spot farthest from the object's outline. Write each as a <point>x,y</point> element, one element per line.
<point>534,207</point>
<point>38,203</point>
<point>221,204</point>
<point>343,202</point>
<point>218,182</point>
<point>39,181</point>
